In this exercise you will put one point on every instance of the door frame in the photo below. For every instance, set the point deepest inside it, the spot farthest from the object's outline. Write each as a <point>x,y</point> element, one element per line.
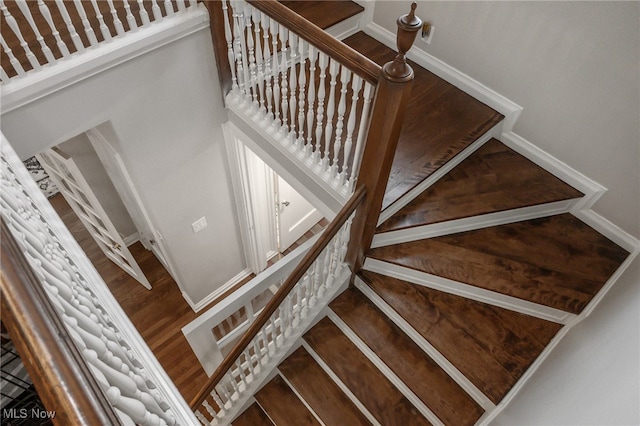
<point>259,237</point>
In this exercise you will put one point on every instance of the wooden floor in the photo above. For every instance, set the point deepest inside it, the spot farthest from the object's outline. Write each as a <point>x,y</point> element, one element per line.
<point>441,121</point>
<point>324,13</point>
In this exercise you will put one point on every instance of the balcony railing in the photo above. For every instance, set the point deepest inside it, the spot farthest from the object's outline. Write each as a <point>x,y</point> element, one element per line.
<point>88,362</point>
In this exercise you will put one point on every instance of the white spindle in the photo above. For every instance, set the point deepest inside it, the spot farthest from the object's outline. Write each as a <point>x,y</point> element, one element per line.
<point>331,106</point>
<point>229,39</point>
<point>13,24</point>
<point>251,56</point>
<point>209,409</point>
<point>24,8</point>
<point>181,6</point>
<point>284,101</point>
<point>268,75</point>
<point>293,83</point>
<point>323,62</point>
<point>156,11</point>
<point>3,76</point>
<point>260,63</point>
<point>46,13</point>
<point>168,7</point>
<point>144,15</point>
<point>75,38</point>
<point>345,76</point>
<point>131,20</point>
<point>311,98</point>
<point>364,121</point>
<point>356,86</point>
<point>85,23</point>
<point>274,29</point>
<point>104,30</point>
<point>15,63</point>
<point>302,89</point>
<point>117,23</point>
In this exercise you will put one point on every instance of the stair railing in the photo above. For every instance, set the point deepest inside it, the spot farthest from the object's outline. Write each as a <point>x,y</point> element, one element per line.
<point>302,87</point>
<point>36,34</point>
<point>290,311</point>
<point>308,289</point>
<point>87,361</point>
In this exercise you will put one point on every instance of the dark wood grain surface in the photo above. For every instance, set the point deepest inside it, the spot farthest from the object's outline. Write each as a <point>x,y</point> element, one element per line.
<point>322,394</point>
<point>253,416</point>
<point>383,400</point>
<point>283,406</point>
<point>439,392</point>
<point>491,346</point>
<point>494,178</point>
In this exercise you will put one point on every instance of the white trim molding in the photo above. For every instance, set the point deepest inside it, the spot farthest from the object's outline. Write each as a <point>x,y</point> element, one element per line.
<point>462,81</point>
<point>197,307</point>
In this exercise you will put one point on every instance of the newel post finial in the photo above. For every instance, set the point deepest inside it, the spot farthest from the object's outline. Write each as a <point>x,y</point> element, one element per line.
<point>408,26</point>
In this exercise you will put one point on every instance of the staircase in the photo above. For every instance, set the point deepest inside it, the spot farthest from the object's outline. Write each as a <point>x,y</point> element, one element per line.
<point>476,270</point>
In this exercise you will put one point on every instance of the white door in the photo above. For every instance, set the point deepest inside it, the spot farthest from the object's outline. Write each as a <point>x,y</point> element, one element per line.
<point>295,215</point>
<point>66,175</point>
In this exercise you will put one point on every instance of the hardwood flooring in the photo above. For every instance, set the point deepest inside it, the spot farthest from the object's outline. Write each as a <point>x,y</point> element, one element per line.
<point>494,178</point>
<point>283,405</point>
<point>441,121</point>
<point>325,13</point>
<point>556,261</point>
<point>491,346</point>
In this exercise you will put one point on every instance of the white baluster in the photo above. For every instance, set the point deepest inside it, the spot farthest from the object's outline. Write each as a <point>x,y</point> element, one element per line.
<point>323,62</point>
<point>24,8</point>
<point>201,417</point>
<point>293,83</point>
<point>104,30</point>
<point>156,11</point>
<point>311,98</point>
<point>257,19</point>
<point>284,101</point>
<point>302,89</point>
<point>75,38</point>
<point>13,24</point>
<point>181,6</point>
<point>85,23</point>
<point>345,76</point>
<point>131,20</point>
<point>209,408</point>
<point>3,76</point>
<point>331,106</point>
<point>117,23</point>
<point>364,122</point>
<point>274,29</point>
<point>46,13</point>
<point>356,86</point>
<point>229,40</point>
<point>144,15</point>
<point>168,7</point>
<point>251,57</point>
<point>268,73</point>
<point>12,59</point>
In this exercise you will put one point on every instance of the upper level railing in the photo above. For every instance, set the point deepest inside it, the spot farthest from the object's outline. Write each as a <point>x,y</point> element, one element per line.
<point>305,89</point>
<point>254,80</point>
<point>88,363</point>
<point>39,34</point>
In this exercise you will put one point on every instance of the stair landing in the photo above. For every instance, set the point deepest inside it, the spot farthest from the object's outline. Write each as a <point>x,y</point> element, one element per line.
<point>440,122</point>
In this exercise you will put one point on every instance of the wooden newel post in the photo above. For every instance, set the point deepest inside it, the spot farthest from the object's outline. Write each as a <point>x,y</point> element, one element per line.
<point>387,116</point>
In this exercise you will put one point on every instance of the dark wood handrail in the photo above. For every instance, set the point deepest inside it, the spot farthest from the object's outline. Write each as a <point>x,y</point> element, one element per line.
<point>297,274</point>
<point>60,374</point>
<point>351,58</point>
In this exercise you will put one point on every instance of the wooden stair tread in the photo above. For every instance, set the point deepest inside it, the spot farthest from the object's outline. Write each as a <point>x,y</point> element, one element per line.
<point>383,400</point>
<point>320,392</point>
<point>441,120</point>
<point>282,405</point>
<point>439,392</point>
<point>492,179</point>
<point>326,13</point>
<point>253,416</point>
<point>556,261</point>
<point>491,346</point>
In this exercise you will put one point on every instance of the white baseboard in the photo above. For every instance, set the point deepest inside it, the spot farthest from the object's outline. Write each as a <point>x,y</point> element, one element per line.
<point>217,292</point>
<point>131,239</point>
<point>462,81</point>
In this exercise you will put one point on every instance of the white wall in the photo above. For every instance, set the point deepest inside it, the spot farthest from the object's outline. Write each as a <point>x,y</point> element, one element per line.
<point>573,66</point>
<point>84,156</point>
<point>166,110</point>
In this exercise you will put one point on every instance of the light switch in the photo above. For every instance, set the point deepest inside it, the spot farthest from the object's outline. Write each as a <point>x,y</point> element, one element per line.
<point>199,224</point>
